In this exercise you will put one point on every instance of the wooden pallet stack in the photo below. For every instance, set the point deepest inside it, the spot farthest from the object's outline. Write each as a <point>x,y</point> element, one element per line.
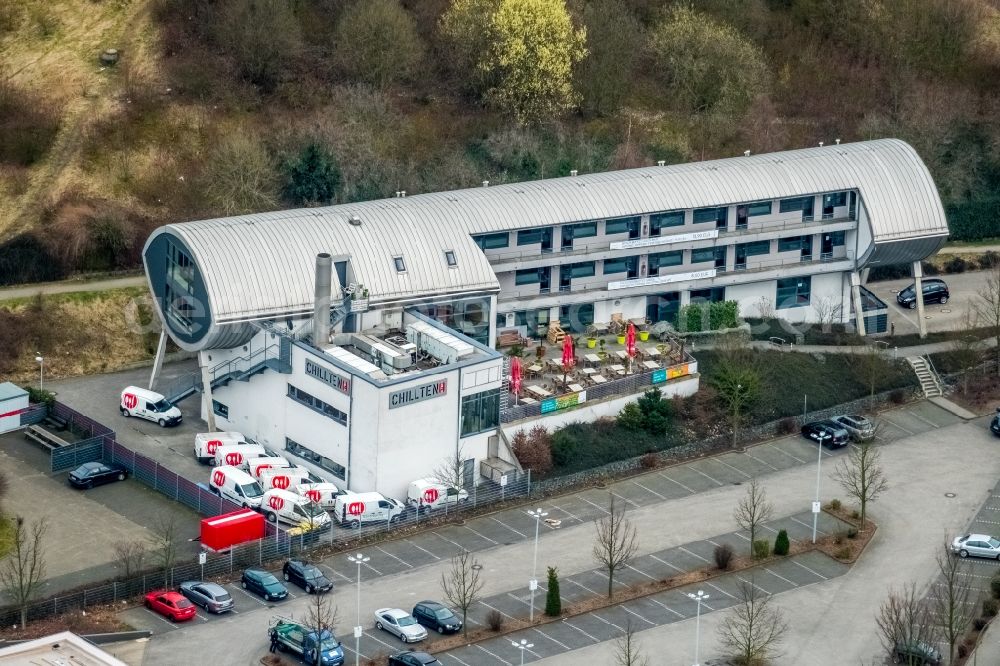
<point>556,334</point>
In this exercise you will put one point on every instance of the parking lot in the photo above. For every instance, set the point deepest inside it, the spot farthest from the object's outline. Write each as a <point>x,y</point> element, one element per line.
<point>963,289</point>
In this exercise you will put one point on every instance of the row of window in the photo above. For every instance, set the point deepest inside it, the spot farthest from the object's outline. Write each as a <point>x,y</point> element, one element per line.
<point>793,292</point>
<point>317,405</point>
<point>296,449</point>
<point>449,257</point>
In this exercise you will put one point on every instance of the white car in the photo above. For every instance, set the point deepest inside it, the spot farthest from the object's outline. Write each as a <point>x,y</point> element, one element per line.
<point>977,545</point>
<point>399,622</point>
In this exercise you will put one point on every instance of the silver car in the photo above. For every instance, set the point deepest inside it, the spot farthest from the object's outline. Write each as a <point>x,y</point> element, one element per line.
<point>213,598</point>
<point>977,545</point>
<point>399,622</point>
<point>860,427</point>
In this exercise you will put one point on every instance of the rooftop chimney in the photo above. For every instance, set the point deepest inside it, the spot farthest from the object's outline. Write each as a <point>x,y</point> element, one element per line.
<point>402,194</point>
<point>661,163</point>
<point>321,308</point>
<point>746,153</point>
<point>837,141</point>
<point>486,183</point>
<point>820,144</point>
<point>573,172</point>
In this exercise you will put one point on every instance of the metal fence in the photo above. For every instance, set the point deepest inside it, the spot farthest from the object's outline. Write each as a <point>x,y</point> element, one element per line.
<point>77,453</point>
<point>276,544</point>
<point>34,414</point>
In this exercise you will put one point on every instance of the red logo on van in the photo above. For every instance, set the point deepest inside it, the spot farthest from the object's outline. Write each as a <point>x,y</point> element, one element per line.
<point>260,468</point>
<point>430,495</point>
<point>212,445</point>
<point>234,458</point>
<point>218,477</point>
<point>276,502</point>
<point>356,508</point>
<point>314,495</point>
<point>280,482</point>
<point>129,400</point>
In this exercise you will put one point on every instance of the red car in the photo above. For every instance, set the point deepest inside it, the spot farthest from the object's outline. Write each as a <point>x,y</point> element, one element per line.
<point>171,604</point>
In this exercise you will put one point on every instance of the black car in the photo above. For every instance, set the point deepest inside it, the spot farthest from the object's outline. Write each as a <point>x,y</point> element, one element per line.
<point>827,433</point>
<point>935,291</point>
<point>263,583</point>
<point>436,616</point>
<point>213,598</point>
<point>995,423</point>
<point>411,658</point>
<point>307,576</point>
<point>93,474</point>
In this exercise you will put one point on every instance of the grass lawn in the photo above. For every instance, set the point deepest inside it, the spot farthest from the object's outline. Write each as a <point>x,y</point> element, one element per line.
<point>6,534</point>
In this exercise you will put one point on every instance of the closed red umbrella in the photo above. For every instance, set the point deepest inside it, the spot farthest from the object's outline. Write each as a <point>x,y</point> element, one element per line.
<point>630,340</point>
<point>568,353</point>
<point>515,375</point>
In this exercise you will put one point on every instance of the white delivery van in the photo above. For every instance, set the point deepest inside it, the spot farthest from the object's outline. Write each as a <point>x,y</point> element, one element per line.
<point>353,509</point>
<point>283,478</point>
<point>205,444</point>
<point>294,509</point>
<point>236,485</point>
<point>324,494</point>
<point>237,455</point>
<point>429,494</point>
<point>149,405</point>
<point>257,465</point>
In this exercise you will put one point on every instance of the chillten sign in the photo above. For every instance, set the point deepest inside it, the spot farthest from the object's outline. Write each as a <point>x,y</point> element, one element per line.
<point>417,394</point>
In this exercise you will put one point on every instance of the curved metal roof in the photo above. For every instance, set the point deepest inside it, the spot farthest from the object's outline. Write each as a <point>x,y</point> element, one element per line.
<point>262,265</point>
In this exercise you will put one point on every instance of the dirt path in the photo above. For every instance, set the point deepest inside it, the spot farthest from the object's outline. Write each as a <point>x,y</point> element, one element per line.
<point>71,286</point>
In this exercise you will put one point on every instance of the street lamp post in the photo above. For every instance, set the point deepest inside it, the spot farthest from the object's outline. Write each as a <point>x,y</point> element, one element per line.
<point>537,514</point>
<point>815,506</point>
<point>41,371</point>
<point>358,559</point>
<point>699,597</point>
<point>522,645</point>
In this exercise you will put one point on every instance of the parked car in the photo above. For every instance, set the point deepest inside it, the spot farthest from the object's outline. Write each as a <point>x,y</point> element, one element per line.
<point>827,433</point>
<point>436,616</point>
<point>400,623</point>
<point>263,583</point>
<point>170,604</point>
<point>859,427</point>
<point>411,658</point>
<point>213,598</point>
<point>302,640</point>
<point>995,423</point>
<point>935,291</point>
<point>307,576</point>
<point>915,652</point>
<point>93,474</point>
<point>977,545</point>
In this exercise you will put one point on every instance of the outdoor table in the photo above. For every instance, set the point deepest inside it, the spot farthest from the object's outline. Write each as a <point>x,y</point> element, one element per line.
<point>651,351</point>
<point>593,358</point>
<point>652,365</point>
<point>575,388</point>
<point>588,371</point>
<point>622,354</point>
<point>534,369</point>
<point>538,391</point>
<point>528,401</point>
<point>597,379</point>
<point>618,369</point>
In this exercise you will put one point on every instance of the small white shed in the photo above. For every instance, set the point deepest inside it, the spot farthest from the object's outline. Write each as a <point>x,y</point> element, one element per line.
<point>13,401</point>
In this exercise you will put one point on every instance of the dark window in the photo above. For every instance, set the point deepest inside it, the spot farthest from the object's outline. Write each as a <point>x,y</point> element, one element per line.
<point>621,265</point>
<point>621,225</point>
<point>759,208</point>
<point>713,295</point>
<point>664,259</point>
<point>702,254</point>
<point>758,247</point>
<point>710,215</point>
<point>400,264</point>
<point>577,317</point>
<point>793,292</point>
<point>449,256</point>
<point>530,236</point>
<point>180,308</point>
<point>317,405</point>
<point>529,276</point>
<point>834,200</point>
<point>804,204</point>
<point>480,412</point>
<point>581,270</point>
<point>838,238</point>
<point>220,409</point>
<point>296,449</point>
<point>658,221</point>
<point>492,241</point>
<point>791,244</point>
<point>583,230</point>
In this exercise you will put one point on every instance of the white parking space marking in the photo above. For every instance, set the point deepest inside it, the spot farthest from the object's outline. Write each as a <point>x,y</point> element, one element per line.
<point>573,626</point>
<point>607,622</point>
<point>675,481</point>
<point>649,490</point>
<point>521,534</point>
<point>754,584</point>
<point>815,573</point>
<point>559,643</point>
<point>595,592</point>
<point>663,561</point>
<point>735,469</point>
<point>720,590</point>
<point>371,635</point>
<point>638,571</point>
<point>401,561</point>
<point>782,451</point>
<point>605,577</point>
<point>695,469</point>
<point>493,655</point>
<point>624,499</point>
<point>519,599</point>
<point>451,656</point>
<point>632,612</point>
<point>363,655</point>
<point>818,530</point>
<point>498,610</point>
<point>896,425</point>
<point>930,423</point>
<point>334,571</point>
<point>592,504</point>
<point>703,559</point>
<point>423,549</point>
<point>762,462</point>
<point>161,618</point>
<point>251,596</point>
<point>571,515</point>
<point>666,607</point>
<point>444,538</point>
<point>482,536</point>
<point>777,575</point>
<point>201,617</point>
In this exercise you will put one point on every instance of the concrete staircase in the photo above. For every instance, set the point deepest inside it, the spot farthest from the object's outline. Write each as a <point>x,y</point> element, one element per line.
<point>930,383</point>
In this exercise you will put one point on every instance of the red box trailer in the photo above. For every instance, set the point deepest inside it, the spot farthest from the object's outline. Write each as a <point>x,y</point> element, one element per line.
<point>225,531</point>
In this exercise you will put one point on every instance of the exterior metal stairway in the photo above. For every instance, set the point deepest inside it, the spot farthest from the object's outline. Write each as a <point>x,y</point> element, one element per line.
<point>930,382</point>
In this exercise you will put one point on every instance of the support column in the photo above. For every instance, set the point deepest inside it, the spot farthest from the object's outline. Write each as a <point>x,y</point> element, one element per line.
<point>859,310</point>
<point>206,397</point>
<point>918,274</point>
<point>161,349</point>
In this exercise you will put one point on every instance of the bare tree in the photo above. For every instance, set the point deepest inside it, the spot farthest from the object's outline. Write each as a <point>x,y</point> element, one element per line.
<point>753,510</point>
<point>628,651</point>
<point>752,630</point>
<point>321,618</point>
<point>22,571</point>
<point>827,312</point>
<point>953,603</point>
<point>861,475</point>
<point>616,541</point>
<point>166,544</point>
<point>129,556</point>
<point>987,308</point>
<point>905,619</point>
<point>765,308</point>
<point>870,365</point>
<point>463,584</point>
<point>451,473</point>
